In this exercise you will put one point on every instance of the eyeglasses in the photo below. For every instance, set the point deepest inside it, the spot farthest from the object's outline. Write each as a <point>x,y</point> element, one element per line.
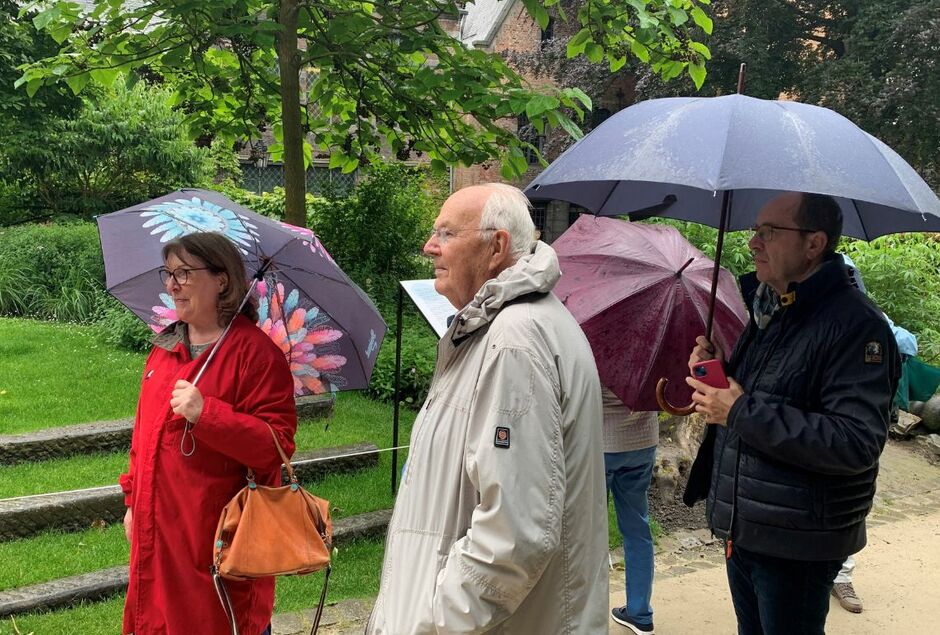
<point>181,275</point>
<point>444,234</point>
<point>766,231</point>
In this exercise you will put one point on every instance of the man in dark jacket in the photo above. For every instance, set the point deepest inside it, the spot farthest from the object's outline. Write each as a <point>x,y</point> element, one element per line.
<point>788,470</point>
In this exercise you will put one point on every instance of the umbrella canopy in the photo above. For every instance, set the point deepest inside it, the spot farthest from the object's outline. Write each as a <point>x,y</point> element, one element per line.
<point>328,329</point>
<point>670,157</point>
<point>640,293</point>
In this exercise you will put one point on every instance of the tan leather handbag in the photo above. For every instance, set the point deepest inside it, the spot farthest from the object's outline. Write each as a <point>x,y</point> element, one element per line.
<point>271,531</point>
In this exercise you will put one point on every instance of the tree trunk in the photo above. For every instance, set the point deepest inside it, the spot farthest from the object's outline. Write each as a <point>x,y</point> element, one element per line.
<point>295,183</point>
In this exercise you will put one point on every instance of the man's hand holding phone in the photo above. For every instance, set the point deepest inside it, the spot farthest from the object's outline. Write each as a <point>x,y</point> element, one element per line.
<point>714,392</point>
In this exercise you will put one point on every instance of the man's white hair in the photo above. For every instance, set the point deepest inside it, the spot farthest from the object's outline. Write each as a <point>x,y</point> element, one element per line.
<point>508,208</point>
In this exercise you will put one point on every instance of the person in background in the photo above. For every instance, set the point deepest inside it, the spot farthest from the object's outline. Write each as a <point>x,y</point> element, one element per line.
<point>630,440</point>
<point>191,444</point>
<point>500,523</point>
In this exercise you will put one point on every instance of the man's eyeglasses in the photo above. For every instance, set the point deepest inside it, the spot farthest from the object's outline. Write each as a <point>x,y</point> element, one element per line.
<point>181,275</point>
<point>766,231</point>
<point>444,234</point>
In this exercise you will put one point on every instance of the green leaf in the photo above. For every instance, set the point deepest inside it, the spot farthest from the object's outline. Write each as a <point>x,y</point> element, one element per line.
<point>581,37</point>
<point>308,154</point>
<point>617,63</point>
<point>570,127</point>
<point>581,96</point>
<point>337,159</point>
<point>702,20</point>
<point>678,16</point>
<point>77,82</point>
<point>32,86</point>
<point>507,171</point>
<point>594,52</point>
<point>42,19</point>
<point>638,49</point>
<point>351,165</point>
<point>577,44</point>
<point>541,16</point>
<point>276,150</point>
<point>61,32</point>
<point>539,104</point>
<point>104,76</point>
<point>701,49</point>
<point>697,72</point>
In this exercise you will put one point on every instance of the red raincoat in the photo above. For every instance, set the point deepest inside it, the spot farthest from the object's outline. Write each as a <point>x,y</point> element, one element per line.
<point>176,500</point>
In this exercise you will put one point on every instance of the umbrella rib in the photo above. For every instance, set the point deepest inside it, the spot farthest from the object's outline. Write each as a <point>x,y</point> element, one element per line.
<point>658,340</point>
<point>724,148</point>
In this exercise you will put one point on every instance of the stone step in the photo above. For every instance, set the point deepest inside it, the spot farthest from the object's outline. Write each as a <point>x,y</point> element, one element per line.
<point>78,510</point>
<point>58,443</point>
<point>105,583</point>
<point>108,436</point>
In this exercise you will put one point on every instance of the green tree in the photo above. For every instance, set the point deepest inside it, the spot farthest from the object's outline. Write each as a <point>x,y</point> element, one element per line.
<point>23,118</point>
<point>875,61</point>
<point>376,74</point>
<point>122,146</point>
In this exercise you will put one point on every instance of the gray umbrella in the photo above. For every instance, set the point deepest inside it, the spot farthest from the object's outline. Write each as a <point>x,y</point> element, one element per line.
<point>671,157</point>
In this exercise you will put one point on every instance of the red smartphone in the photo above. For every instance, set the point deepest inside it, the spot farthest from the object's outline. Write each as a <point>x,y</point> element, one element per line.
<point>710,372</point>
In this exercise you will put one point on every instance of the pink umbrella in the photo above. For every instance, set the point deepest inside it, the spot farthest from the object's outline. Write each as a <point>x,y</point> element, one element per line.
<point>641,293</point>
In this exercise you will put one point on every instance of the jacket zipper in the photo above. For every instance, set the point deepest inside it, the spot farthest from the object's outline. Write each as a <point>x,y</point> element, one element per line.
<point>729,542</point>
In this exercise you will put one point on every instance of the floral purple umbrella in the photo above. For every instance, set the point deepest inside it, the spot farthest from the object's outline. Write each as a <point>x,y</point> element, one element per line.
<point>328,329</point>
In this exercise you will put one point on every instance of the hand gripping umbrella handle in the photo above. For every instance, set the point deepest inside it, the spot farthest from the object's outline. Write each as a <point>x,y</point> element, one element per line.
<point>668,407</point>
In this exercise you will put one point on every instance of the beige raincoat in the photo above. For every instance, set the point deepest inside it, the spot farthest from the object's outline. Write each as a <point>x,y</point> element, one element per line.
<point>500,524</point>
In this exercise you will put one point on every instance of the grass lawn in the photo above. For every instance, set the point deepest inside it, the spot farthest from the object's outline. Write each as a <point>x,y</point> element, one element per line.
<point>54,374</point>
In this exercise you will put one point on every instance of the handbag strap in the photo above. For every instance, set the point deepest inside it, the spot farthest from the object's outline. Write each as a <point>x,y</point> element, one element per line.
<point>287,466</point>
<point>226,602</point>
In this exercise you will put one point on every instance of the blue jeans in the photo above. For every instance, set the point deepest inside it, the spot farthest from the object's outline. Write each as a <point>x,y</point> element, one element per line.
<point>628,479</point>
<point>267,631</point>
<point>776,596</point>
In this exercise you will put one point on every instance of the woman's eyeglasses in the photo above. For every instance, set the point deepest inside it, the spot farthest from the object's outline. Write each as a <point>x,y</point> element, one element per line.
<point>181,275</point>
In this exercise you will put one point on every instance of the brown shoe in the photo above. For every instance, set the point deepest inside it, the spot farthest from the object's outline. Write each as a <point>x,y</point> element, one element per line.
<point>845,593</point>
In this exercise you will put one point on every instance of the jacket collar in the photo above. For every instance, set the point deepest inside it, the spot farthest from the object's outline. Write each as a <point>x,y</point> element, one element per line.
<point>536,272</point>
<point>830,277</point>
<point>172,336</point>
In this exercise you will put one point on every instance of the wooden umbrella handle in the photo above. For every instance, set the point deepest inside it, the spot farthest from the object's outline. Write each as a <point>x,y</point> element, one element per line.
<point>668,407</point>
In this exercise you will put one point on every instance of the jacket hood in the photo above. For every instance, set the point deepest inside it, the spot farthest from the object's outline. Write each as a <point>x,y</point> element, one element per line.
<point>536,272</point>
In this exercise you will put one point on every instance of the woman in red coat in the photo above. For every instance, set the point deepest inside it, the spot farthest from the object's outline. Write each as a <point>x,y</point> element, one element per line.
<point>192,444</point>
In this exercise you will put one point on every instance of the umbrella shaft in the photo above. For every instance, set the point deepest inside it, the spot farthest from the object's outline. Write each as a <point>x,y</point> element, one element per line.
<point>722,226</point>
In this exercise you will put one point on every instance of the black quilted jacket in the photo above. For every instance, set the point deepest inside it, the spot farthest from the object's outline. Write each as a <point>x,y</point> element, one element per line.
<point>793,473</point>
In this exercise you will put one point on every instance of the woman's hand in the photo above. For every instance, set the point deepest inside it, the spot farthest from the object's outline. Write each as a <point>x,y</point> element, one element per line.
<point>128,524</point>
<point>186,401</point>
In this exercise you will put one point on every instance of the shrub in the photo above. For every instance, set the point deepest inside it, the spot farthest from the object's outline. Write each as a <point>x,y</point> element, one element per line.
<point>271,204</point>
<point>377,233</point>
<point>52,271</point>
<point>901,272</point>
<point>418,355</point>
<point>122,328</point>
<point>124,145</point>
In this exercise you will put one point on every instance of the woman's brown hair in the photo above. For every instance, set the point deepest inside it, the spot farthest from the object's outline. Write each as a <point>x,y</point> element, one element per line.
<point>219,255</point>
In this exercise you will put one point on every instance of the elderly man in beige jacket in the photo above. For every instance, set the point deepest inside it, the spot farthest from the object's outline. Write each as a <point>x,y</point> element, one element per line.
<point>500,525</point>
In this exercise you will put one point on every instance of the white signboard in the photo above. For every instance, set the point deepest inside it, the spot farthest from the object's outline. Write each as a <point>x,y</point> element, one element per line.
<point>433,306</point>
